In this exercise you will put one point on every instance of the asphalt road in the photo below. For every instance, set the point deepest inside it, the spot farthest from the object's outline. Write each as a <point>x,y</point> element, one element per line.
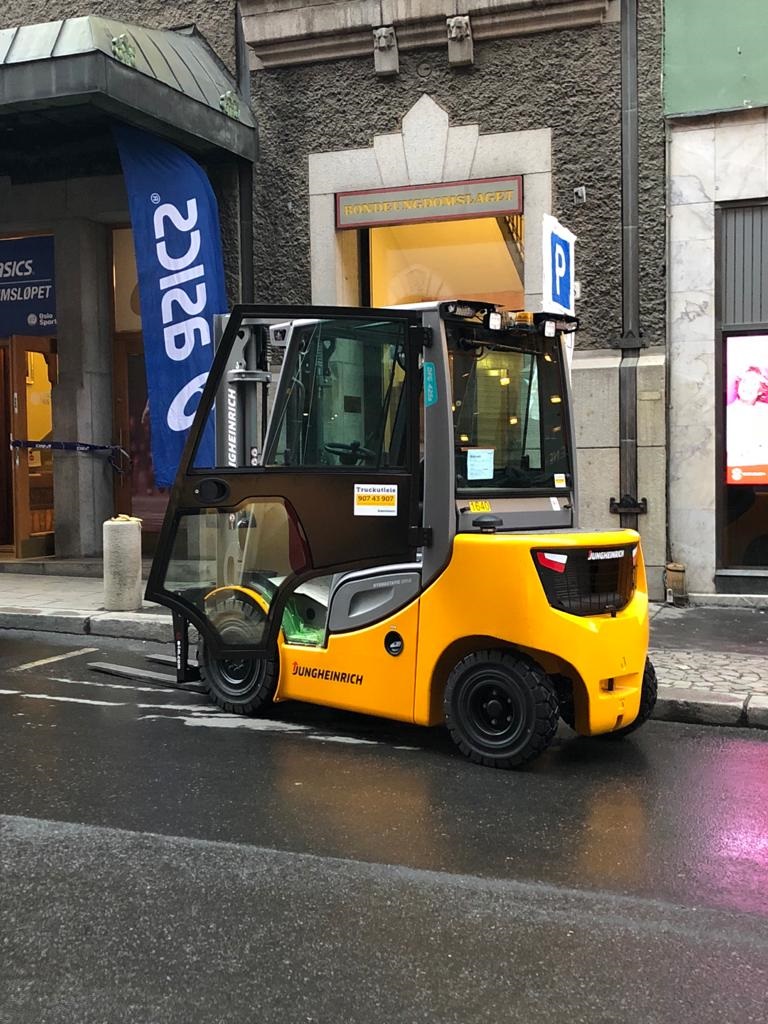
<point>164,862</point>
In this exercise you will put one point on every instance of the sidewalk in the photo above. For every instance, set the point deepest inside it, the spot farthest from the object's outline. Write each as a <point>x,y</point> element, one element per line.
<point>711,662</point>
<point>75,604</point>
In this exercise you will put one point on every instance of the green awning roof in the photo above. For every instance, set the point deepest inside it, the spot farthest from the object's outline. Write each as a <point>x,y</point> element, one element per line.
<point>169,81</point>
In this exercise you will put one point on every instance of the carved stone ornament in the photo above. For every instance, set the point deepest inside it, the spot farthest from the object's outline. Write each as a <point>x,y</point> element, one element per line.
<point>458,27</point>
<point>384,38</point>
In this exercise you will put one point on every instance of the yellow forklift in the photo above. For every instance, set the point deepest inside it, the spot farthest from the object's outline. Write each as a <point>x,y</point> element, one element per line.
<point>398,535</point>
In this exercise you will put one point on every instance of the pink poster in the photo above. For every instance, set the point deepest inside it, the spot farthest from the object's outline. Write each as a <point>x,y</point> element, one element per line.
<point>746,410</point>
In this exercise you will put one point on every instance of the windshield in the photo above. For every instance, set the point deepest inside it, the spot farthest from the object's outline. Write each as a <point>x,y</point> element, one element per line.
<point>509,417</point>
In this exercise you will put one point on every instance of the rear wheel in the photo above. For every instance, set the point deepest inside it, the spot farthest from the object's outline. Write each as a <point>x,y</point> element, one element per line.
<point>501,710</point>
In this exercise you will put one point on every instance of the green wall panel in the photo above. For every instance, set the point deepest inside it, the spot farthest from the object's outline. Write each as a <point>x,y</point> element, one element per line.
<point>715,55</point>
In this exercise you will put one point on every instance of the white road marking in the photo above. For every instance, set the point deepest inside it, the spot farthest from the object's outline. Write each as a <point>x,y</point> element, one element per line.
<point>75,700</point>
<point>112,686</point>
<point>200,715</point>
<point>58,657</point>
<point>179,707</point>
<point>352,740</point>
<point>222,720</point>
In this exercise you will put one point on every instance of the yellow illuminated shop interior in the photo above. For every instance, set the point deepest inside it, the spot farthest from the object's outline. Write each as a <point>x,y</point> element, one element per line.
<point>478,259</point>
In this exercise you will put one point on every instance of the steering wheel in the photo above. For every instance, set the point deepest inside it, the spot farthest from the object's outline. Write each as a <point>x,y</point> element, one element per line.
<point>350,454</point>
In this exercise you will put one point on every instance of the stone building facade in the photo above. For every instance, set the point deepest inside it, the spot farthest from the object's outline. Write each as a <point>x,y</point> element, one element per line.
<point>510,88</point>
<point>541,98</point>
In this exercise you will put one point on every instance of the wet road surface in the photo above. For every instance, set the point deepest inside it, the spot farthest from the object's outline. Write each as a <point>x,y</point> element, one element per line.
<point>165,861</point>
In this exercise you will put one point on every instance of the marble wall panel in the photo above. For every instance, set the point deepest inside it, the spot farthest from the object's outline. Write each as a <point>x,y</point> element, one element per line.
<point>693,221</point>
<point>741,158</point>
<point>692,265</point>
<point>692,542</point>
<point>692,166</point>
<point>691,318</point>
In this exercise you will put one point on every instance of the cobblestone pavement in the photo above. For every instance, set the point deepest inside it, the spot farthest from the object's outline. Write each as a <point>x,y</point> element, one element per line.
<point>737,674</point>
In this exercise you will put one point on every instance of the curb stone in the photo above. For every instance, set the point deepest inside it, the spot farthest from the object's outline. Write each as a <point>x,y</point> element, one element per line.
<point>47,622</point>
<point>121,626</point>
<point>124,625</point>
<point>700,706</point>
<point>757,711</point>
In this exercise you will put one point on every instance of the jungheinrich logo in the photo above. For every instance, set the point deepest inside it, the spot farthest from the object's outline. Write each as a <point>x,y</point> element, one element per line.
<point>600,556</point>
<point>354,678</point>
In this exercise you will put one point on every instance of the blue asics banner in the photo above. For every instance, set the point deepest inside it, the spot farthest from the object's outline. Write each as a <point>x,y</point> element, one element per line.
<point>177,239</point>
<point>27,290</point>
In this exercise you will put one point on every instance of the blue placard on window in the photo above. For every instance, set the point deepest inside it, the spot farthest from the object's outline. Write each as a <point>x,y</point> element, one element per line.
<point>27,287</point>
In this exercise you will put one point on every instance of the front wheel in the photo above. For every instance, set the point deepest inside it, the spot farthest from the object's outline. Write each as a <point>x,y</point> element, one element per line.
<point>238,683</point>
<point>501,710</point>
<point>241,685</point>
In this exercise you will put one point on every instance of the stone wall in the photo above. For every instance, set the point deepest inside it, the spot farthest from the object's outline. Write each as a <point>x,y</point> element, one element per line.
<point>566,80</point>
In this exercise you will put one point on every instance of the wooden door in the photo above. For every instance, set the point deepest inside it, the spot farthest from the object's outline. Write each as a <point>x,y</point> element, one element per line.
<point>32,376</point>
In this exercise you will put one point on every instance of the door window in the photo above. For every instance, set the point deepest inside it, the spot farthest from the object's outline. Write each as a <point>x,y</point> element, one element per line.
<point>343,400</point>
<point>230,564</point>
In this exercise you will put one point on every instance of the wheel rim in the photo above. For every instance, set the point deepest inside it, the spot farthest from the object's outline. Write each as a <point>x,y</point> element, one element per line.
<point>494,711</point>
<point>235,676</point>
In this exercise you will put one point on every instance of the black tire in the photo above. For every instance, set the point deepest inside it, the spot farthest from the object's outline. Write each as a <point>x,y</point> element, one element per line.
<point>243,686</point>
<point>648,694</point>
<point>500,709</point>
<point>238,684</point>
<point>564,690</point>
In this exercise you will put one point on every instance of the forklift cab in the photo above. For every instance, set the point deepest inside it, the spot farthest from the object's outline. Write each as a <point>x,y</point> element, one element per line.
<point>397,534</point>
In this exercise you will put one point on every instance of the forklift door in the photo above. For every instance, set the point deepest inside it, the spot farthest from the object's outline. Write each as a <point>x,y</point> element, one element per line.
<point>256,534</point>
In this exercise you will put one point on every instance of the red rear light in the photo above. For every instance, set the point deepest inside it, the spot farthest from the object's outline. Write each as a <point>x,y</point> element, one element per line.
<point>551,560</point>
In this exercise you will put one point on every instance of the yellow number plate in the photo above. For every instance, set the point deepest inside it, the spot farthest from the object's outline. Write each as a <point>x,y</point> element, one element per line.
<point>479,506</point>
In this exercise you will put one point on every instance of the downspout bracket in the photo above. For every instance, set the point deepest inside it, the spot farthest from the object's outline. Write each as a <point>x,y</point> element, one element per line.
<point>628,506</point>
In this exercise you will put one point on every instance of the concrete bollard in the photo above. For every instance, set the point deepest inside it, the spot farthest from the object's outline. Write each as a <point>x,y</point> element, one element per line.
<point>122,564</point>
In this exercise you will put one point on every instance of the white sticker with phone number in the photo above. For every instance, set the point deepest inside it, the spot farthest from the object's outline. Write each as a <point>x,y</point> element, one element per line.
<point>375,499</point>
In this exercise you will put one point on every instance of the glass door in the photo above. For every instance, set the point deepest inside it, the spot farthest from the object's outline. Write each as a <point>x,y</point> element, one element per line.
<point>333,489</point>
<point>32,376</point>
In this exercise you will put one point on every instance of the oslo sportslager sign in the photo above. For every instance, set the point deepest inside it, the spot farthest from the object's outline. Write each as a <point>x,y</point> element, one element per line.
<point>27,288</point>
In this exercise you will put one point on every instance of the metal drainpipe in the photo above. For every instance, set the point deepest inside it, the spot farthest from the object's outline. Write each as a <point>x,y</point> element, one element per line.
<point>244,171</point>
<point>628,506</point>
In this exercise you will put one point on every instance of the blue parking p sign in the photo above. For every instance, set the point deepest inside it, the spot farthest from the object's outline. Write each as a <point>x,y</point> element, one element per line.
<point>558,265</point>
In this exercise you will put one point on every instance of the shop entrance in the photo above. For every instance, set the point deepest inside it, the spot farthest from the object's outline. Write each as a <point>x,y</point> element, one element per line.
<point>480,259</point>
<point>27,375</point>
